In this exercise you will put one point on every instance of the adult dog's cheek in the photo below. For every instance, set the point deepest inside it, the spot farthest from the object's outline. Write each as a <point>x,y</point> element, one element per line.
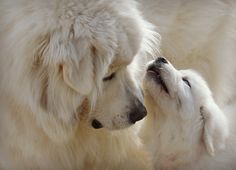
<point>84,110</point>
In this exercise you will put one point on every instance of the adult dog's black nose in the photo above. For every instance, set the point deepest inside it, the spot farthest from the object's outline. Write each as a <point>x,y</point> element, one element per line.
<point>138,112</point>
<point>96,124</point>
<point>161,60</point>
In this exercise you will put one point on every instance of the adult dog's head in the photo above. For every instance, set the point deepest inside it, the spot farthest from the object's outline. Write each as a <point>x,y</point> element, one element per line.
<point>67,60</point>
<point>188,117</point>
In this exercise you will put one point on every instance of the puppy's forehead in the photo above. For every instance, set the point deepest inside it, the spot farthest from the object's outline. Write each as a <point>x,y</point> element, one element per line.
<point>198,83</point>
<point>191,74</point>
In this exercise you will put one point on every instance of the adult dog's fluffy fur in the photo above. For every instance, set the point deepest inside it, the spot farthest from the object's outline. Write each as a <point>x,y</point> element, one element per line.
<point>198,34</point>
<point>185,128</point>
<point>63,69</point>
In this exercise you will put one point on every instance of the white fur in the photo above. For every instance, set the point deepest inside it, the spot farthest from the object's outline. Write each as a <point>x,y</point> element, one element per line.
<point>198,34</point>
<point>53,57</point>
<point>185,128</point>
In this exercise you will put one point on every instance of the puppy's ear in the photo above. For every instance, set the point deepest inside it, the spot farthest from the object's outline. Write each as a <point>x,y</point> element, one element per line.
<point>215,130</point>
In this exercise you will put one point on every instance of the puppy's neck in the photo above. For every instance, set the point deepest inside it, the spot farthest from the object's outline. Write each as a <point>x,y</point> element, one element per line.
<point>155,113</point>
<point>165,138</point>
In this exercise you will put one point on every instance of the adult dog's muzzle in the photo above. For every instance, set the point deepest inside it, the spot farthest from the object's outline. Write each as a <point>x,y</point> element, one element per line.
<point>138,112</point>
<point>96,124</point>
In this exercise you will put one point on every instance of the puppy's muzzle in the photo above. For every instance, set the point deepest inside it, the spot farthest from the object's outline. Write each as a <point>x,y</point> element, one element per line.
<point>138,112</point>
<point>154,70</point>
<point>161,60</point>
<point>157,65</point>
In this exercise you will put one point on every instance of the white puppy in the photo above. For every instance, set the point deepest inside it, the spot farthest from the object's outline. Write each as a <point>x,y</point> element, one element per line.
<point>63,76</point>
<point>199,34</point>
<point>185,128</point>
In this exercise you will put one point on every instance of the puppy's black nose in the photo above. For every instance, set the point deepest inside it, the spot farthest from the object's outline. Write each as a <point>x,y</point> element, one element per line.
<point>96,124</point>
<point>161,60</point>
<point>137,113</point>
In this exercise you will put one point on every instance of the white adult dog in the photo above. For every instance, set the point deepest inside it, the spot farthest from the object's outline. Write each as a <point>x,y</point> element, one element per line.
<point>63,72</point>
<point>185,128</point>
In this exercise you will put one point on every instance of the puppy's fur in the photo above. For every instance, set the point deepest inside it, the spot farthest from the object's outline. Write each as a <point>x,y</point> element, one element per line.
<point>63,64</point>
<point>200,35</point>
<point>185,128</point>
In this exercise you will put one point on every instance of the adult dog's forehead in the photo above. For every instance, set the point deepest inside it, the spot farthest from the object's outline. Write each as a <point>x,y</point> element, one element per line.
<point>119,63</point>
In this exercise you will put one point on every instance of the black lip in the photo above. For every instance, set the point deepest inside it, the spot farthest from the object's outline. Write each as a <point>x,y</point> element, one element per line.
<point>155,73</point>
<point>96,124</point>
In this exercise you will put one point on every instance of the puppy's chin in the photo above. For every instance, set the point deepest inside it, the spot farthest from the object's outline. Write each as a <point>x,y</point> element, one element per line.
<point>154,86</point>
<point>155,77</point>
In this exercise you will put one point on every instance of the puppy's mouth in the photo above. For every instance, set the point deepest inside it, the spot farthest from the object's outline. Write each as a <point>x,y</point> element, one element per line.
<point>155,73</point>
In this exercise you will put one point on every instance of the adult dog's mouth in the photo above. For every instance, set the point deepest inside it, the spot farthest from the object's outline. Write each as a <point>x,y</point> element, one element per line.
<point>155,72</point>
<point>96,124</point>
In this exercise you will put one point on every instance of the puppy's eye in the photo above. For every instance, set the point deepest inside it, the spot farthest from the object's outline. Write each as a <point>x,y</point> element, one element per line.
<point>186,81</point>
<point>110,77</point>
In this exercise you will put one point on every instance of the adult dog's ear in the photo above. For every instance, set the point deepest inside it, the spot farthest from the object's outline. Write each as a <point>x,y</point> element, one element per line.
<point>63,75</point>
<point>79,75</point>
<point>78,69</point>
<point>74,58</point>
<point>215,130</point>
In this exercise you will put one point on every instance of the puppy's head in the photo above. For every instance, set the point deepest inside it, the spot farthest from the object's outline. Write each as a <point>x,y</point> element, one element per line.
<point>183,98</point>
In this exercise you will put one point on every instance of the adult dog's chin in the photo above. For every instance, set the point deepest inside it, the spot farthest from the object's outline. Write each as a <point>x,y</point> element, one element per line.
<point>154,73</point>
<point>96,124</point>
